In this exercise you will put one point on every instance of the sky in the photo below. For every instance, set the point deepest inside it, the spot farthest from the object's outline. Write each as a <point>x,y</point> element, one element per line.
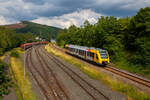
<point>64,13</point>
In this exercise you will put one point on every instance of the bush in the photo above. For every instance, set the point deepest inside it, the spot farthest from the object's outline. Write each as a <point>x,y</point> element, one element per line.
<point>1,51</point>
<point>14,54</point>
<point>5,82</point>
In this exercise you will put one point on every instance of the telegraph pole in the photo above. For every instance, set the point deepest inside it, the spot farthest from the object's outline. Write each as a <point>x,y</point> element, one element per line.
<point>24,61</point>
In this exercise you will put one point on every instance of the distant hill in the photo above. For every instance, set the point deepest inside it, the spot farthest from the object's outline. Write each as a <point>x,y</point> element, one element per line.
<point>43,31</point>
<point>16,26</point>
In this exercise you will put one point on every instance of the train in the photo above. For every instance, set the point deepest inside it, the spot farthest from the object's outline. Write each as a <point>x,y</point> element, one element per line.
<point>29,45</point>
<point>96,55</point>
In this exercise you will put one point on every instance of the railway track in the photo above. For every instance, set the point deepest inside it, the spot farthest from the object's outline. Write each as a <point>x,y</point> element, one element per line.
<point>85,85</point>
<point>55,84</point>
<point>128,75</point>
<point>49,87</point>
<point>29,66</point>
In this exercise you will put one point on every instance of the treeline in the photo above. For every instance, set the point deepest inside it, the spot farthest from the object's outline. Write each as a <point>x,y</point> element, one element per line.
<point>10,39</point>
<point>5,82</point>
<point>124,38</point>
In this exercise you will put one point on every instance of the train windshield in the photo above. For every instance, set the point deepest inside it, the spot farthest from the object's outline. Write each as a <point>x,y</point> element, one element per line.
<point>103,54</point>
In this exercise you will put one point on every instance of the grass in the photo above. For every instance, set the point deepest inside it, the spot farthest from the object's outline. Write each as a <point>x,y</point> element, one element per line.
<point>15,49</point>
<point>131,92</point>
<point>3,56</point>
<point>123,64</point>
<point>23,83</point>
<point>15,54</point>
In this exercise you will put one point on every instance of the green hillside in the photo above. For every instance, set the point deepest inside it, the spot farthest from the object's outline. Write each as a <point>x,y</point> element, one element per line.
<point>44,31</point>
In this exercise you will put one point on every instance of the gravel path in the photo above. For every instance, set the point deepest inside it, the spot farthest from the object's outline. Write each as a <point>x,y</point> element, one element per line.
<point>12,94</point>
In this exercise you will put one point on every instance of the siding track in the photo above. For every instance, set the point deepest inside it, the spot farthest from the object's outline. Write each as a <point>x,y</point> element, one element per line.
<point>47,82</point>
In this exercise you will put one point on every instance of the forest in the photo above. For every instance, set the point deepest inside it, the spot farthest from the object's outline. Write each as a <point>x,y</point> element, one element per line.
<point>126,39</point>
<point>9,39</point>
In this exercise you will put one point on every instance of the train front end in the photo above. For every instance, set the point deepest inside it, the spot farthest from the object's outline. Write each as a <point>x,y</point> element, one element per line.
<point>104,57</point>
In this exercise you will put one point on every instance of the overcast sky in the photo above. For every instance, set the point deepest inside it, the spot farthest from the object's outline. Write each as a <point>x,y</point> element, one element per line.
<point>63,13</point>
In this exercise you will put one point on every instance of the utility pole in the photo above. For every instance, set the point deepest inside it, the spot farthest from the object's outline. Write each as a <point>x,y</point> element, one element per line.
<point>24,62</point>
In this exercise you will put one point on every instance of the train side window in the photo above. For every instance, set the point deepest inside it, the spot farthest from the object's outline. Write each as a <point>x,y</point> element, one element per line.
<point>76,50</point>
<point>92,54</point>
<point>82,52</point>
<point>88,53</point>
<point>96,56</point>
<point>85,53</point>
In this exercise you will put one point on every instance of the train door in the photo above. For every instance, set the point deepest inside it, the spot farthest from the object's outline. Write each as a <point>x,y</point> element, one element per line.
<point>96,58</point>
<point>85,54</point>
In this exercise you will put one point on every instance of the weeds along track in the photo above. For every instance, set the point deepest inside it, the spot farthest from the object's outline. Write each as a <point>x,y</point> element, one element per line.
<point>85,85</point>
<point>128,75</point>
<point>44,81</point>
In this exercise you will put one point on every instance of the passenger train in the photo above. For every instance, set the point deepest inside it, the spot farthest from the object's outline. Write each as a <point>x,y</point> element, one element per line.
<point>96,55</point>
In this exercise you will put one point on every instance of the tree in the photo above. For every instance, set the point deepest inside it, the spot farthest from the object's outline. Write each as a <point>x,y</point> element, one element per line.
<point>5,82</point>
<point>139,36</point>
<point>120,36</point>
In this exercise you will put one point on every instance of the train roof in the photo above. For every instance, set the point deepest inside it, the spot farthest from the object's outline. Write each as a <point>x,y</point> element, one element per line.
<point>78,47</point>
<point>84,47</point>
<point>27,44</point>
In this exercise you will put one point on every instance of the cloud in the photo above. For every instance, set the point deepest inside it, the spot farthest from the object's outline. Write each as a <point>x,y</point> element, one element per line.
<point>5,21</point>
<point>75,18</point>
<point>135,5</point>
<point>33,9</point>
<point>22,10</point>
